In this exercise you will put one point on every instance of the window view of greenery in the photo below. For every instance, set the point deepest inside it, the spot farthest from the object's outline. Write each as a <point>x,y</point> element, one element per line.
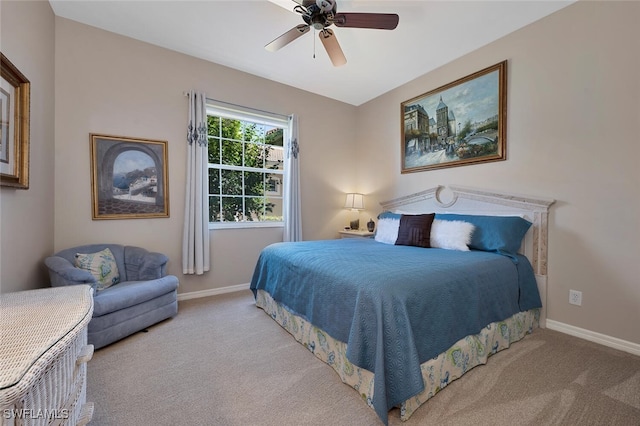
<point>246,166</point>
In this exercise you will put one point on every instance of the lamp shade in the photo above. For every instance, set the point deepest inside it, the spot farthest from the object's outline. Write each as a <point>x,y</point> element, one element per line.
<point>354,201</point>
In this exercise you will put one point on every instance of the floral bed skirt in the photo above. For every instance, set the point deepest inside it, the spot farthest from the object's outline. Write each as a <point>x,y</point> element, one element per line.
<point>465,354</point>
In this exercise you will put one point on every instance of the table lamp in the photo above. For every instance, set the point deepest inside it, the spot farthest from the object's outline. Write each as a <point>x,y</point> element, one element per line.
<point>354,202</point>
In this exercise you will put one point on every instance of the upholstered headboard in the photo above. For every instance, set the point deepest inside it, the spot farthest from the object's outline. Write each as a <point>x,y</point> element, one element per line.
<point>463,200</point>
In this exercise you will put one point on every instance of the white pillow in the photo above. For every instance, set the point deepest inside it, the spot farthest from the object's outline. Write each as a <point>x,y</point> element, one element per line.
<point>387,231</point>
<point>451,234</point>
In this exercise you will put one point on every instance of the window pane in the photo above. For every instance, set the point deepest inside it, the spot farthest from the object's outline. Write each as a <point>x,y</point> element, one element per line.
<point>231,129</point>
<point>264,154</point>
<point>213,125</point>
<point>214,209</point>
<point>231,182</point>
<point>214,151</point>
<point>260,130</point>
<point>254,183</point>
<point>214,181</point>
<point>253,155</point>
<point>252,132</point>
<point>232,153</point>
<point>275,158</point>
<point>273,184</point>
<point>273,207</point>
<point>232,209</point>
<point>254,208</point>
<point>274,137</point>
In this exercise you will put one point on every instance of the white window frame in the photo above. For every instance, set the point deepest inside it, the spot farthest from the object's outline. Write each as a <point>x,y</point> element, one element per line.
<point>226,110</point>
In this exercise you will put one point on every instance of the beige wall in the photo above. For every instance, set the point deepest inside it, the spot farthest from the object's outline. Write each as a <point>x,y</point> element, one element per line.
<point>111,84</point>
<point>572,135</point>
<point>26,216</point>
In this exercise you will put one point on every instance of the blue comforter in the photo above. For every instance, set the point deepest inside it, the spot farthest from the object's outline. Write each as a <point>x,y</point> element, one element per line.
<point>394,306</point>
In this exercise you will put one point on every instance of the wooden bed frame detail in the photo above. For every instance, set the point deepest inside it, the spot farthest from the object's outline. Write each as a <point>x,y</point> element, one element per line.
<point>464,200</point>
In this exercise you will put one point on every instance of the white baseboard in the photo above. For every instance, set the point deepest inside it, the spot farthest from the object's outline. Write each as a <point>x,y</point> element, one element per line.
<point>592,336</point>
<point>212,292</point>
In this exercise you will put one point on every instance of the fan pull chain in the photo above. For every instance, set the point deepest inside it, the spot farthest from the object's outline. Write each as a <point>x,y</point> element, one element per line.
<point>314,43</point>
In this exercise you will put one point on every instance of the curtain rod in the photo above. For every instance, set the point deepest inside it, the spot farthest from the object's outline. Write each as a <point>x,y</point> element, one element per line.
<point>243,107</point>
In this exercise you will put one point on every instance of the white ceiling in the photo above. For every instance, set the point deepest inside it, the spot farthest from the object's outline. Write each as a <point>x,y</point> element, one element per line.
<point>233,33</point>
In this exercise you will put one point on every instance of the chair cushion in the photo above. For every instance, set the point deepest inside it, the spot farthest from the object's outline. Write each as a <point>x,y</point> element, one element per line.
<point>112,319</point>
<point>130,293</point>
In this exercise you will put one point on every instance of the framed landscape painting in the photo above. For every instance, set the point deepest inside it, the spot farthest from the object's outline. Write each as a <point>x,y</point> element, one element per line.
<point>461,123</point>
<point>129,178</point>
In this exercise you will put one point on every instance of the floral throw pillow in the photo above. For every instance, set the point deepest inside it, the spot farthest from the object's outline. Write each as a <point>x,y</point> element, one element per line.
<point>102,266</point>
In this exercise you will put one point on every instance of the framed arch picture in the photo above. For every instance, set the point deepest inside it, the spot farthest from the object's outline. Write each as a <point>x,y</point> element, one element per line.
<point>129,178</point>
<point>461,123</point>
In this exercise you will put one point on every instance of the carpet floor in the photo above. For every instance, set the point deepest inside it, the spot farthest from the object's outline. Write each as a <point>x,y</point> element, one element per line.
<point>222,361</point>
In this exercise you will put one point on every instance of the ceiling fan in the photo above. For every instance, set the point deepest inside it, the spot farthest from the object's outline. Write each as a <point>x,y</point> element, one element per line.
<point>321,14</point>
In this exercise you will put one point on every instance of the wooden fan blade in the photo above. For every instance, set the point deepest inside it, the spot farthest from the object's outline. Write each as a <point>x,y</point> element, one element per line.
<point>377,21</point>
<point>287,37</point>
<point>331,45</point>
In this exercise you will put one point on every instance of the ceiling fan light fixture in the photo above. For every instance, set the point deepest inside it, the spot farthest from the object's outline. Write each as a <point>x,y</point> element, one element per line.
<point>321,14</point>
<point>318,23</point>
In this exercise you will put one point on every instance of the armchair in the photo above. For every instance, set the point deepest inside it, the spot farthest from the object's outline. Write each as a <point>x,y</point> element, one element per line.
<point>144,295</point>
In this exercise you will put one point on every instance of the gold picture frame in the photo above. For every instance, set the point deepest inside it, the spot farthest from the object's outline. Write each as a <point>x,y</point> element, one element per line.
<point>461,123</point>
<point>129,177</point>
<point>15,94</point>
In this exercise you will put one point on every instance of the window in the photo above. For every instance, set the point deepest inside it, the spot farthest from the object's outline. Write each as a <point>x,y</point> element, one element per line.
<point>246,166</point>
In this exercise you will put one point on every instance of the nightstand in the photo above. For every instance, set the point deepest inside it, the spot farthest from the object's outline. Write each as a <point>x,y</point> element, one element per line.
<point>355,233</point>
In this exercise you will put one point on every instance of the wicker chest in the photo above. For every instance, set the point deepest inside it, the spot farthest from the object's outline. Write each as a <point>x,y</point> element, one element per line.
<point>44,355</point>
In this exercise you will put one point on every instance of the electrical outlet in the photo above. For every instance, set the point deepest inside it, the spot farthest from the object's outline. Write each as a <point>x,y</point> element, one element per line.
<point>575,297</point>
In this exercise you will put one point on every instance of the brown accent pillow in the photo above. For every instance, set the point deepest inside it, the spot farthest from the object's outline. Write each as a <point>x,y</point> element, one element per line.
<point>415,230</point>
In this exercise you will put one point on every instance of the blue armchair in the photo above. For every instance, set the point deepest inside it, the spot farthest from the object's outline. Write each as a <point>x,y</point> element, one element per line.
<point>144,295</point>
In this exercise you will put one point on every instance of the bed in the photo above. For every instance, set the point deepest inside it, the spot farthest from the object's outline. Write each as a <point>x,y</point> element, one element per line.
<point>399,320</point>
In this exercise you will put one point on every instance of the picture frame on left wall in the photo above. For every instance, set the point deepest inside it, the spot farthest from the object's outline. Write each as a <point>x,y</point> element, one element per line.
<point>15,96</point>
<point>129,177</point>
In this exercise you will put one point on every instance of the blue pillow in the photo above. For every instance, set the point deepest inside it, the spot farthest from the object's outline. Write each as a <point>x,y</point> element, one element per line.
<point>500,234</point>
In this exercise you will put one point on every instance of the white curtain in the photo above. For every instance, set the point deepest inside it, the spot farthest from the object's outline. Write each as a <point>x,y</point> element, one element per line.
<point>292,210</point>
<point>195,236</point>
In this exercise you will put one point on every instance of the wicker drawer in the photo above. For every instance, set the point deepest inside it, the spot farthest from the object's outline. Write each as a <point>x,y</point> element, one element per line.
<point>44,378</point>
